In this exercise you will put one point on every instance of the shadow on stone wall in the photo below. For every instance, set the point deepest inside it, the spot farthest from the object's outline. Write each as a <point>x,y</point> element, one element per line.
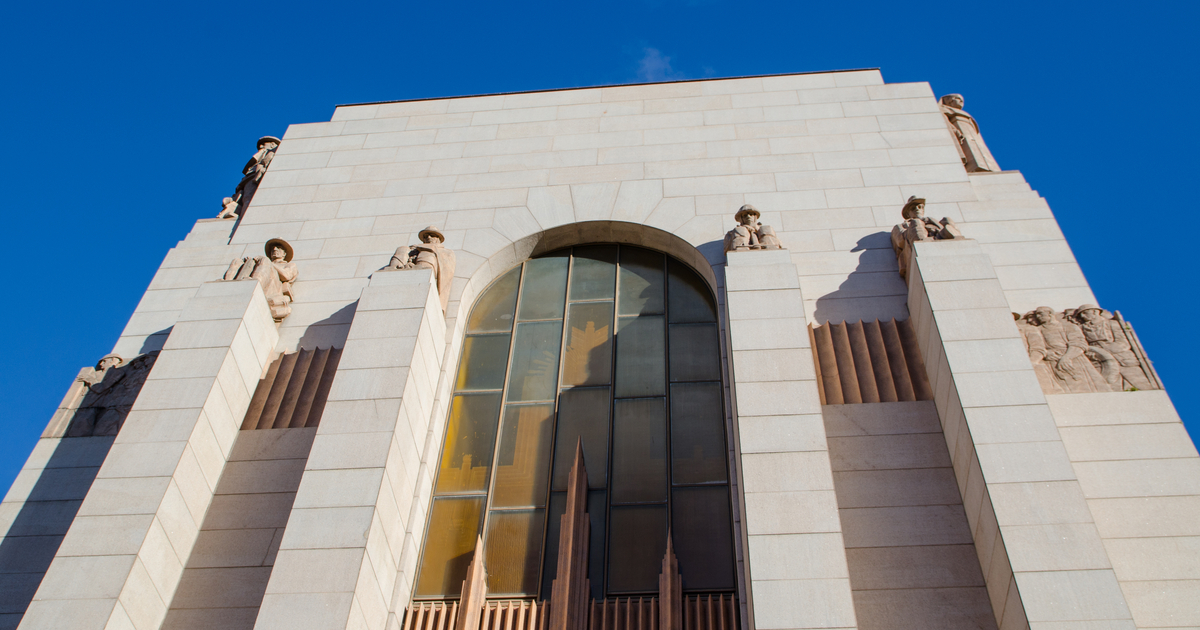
<point>874,290</point>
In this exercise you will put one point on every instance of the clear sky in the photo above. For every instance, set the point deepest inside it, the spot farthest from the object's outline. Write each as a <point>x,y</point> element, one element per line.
<point>126,122</point>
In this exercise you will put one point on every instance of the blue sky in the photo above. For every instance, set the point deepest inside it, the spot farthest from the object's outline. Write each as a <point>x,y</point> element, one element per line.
<point>125,123</point>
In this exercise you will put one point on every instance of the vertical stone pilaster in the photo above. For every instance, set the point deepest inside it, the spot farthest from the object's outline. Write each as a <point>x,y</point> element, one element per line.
<point>121,560</point>
<point>343,552</point>
<point>790,507</point>
<point>1040,552</point>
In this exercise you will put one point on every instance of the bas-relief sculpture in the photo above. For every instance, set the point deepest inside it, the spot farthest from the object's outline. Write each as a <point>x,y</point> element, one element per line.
<point>429,254</point>
<point>749,233</point>
<point>275,272</point>
<point>1084,350</point>
<point>252,174</point>
<point>101,397</point>
<point>971,149</point>
<point>918,227</point>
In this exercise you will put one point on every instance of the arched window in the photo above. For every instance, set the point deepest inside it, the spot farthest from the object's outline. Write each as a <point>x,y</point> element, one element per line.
<point>609,345</point>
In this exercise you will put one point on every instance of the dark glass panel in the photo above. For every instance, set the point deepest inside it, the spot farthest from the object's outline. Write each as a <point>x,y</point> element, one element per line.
<point>514,552</point>
<point>700,530</point>
<point>641,369</point>
<point>523,463</point>
<point>544,287</point>
<point>690,299</point>
<point>449,545</point>
<point>695,355</point>
<point>641,282</point>
<point>638,540</point>
<point>639,450</point>
<point>484,359</point>
<point>470,440</point>
<point>596,517</point>
<point>494,310</point>
<point>535,361</point>
<point>697,433</point>
<point>594,272</point>
<point>582,415</point>
<point>588,356</point>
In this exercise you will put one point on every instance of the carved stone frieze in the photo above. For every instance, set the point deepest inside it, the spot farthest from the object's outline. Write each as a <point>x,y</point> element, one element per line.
<point>749,233</point>
<point>275,272</point>
<point>430,253</point>
<point>101,397</point>
<point>918,227</point>
<point>1085,349</point>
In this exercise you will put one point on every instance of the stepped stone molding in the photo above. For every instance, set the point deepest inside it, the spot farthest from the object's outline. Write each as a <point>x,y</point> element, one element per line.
<point>868,362</point>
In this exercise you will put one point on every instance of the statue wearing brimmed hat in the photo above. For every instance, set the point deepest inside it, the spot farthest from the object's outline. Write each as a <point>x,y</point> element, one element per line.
<point>253,172</point>
<point>918,227</point>
<point>749,233</point>
<point>429,254</point>
<point>275,272</point>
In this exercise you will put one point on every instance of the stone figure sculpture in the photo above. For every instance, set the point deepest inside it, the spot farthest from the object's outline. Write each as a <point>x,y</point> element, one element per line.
<point>429,254</point>
<point>749,233</point>
<point>1058,350</point>
<point>1111,348</point>
<point>254,170</point>
<point>275,272</point>
<point>971,149</point>
<point>108,393</point>
<point>229,209</point>
<point>918,227</point>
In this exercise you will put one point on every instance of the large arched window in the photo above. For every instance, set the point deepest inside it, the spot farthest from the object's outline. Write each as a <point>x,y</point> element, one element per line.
<point>609,345</point>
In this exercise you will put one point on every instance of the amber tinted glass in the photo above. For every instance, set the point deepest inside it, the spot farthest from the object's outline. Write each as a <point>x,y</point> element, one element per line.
<point>582,415</point>
<point>690,300</point>
<point>588,356</point>
<point>594,272</point>
<point>695,355</point>
<point>483,361</point>
<point>641,282</point>
<point>535,361</point>
<point>544,287</point>
<point>639,450</point>
<point>494,310</point>
<point>700,529</point>
<point>641,370</point>
<point>523,462</point>
<point>697,434</point>
<point>449,544</point>
<point>514,551</point>
<point>637,541</point>
<point>470,438</point>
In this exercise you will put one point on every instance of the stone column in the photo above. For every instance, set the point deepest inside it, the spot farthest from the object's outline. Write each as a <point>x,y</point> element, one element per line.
<point>797,558</point>
<point>1040,552</point>
<point>350,538</point>
<point>121,559</point>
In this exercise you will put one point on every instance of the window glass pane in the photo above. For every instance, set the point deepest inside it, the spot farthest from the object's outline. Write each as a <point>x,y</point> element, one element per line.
<point>639,450</point>
<point>638,540</point>
<point>544,287</point>
<point>596,516</point>
<point>641,282</point>
<point>449,545</point>
<point>594,272</point>
<point>703,541</point>
<point>697,434</point>
<point>582,414</point>
<point>588,356</point>
<point>514,552</point>
<point>494,310</point>
<point>523,463</point>
<point>690,300</point>
<point>695,355</point>
<point>641,369</point>
<point>535,361</point>
<point>483,361</point>
<point>470,438</point>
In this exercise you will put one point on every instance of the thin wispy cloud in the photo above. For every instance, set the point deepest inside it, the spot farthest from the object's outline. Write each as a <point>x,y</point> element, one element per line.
<point>654,66</point>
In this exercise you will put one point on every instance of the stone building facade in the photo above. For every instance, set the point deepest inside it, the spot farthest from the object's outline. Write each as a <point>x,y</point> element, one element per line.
<point>354,424</point>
